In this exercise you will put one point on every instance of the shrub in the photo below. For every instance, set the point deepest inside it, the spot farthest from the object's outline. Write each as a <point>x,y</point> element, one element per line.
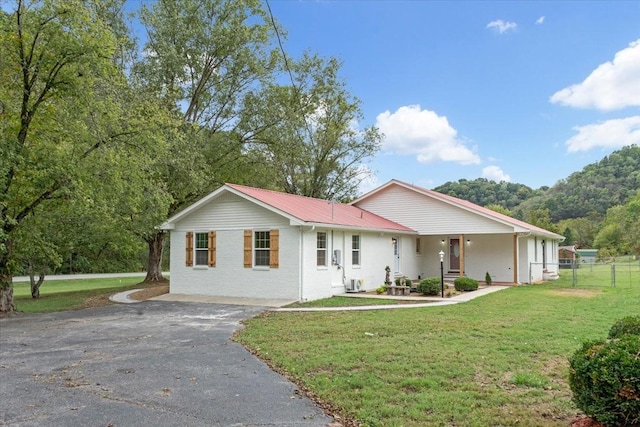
<point>381,289</point>
<point>408,282</point>
<point>625,326</point>
<point>398,282</point>
<point>487,279</point>
<point>604,377</point>
<point>465,284</point>
<point>429,286</point>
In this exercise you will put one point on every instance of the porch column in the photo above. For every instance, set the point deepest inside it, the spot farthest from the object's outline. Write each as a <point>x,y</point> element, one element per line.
<point>515,257</point>
<point>461,255</point>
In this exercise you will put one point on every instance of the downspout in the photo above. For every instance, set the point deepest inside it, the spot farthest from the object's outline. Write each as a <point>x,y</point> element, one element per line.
<point>301,269</point>
<point>344,257</point>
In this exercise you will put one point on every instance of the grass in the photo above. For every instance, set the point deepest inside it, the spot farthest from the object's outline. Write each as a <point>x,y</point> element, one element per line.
<point>499,360</point>
<point>58,295</point>
<point>627,273</point>
<point>339,301</point>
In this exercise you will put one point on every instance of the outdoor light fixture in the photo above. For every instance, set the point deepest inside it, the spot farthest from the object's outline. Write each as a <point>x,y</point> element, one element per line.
<point>442,242</point>
<point>441,253</point>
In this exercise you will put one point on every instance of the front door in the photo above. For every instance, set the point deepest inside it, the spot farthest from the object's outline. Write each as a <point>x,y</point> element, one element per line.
<point>454,254</point>
<point>396,255</point>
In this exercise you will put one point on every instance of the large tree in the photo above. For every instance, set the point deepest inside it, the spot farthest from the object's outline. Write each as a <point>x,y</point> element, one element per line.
<point>311,134</point>
<point>57,57</point>
<point>202,59</point>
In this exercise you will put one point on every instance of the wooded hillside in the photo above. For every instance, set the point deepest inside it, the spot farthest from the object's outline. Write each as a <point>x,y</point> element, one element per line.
<point>594,207</point>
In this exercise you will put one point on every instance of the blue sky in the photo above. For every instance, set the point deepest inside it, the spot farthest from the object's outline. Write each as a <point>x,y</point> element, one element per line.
<point>525,92</point>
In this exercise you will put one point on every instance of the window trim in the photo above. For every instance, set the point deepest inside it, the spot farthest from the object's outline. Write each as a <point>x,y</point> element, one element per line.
<point>357,250</point>
<point>254,249</point>
<point>197,251</point>
<point>320,249</point>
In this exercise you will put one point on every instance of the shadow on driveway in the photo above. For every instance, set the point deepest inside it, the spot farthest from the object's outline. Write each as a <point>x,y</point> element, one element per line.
<point>153,363</point>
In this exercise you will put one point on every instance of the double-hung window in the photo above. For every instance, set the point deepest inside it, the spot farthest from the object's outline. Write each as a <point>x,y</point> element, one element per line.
<point>321,249</point>
<point>202,248</point>
<point>261,248</point>
<point>355,249</point>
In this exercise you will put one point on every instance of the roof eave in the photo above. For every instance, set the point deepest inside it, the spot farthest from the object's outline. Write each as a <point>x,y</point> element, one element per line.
<point>359,228</point>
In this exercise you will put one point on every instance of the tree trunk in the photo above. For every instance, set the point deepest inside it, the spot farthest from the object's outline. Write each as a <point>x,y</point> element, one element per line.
<point>35,284</point>
<point>154,266</point>
<point>6,281</point>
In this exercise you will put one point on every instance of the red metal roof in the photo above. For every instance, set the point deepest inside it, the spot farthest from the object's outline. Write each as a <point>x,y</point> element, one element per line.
<point>319,211</point>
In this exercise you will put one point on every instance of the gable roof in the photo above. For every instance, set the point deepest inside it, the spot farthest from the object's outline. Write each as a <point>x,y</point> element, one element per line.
<point>519,226</point>
<point>300,210</point>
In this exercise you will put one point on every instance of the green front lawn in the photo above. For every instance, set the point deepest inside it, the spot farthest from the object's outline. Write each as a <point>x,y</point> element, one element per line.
<point>499,360</point>
<point>57,295</point>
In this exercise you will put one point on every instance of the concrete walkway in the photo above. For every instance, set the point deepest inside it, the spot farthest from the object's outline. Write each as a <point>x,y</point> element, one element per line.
<point>432,302</point>
<point>123,297</point>
<point>279,305</point>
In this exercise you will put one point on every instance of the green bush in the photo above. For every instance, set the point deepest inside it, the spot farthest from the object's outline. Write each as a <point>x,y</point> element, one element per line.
<point>398,282</point>
<point>408,282</point>
<point>430,286</point>
<point>604,377</point>
<point>381,289</point>
<point>625,326</point>
<point>465,284</point>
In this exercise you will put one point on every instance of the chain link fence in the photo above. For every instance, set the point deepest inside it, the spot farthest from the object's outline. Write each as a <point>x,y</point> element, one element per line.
<point>608,272</point>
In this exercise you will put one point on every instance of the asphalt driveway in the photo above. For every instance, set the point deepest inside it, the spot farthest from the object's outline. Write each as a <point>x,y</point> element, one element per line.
<point>153,363</point>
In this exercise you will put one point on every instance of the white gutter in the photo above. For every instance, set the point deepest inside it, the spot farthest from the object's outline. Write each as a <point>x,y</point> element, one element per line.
<point>301,270</point>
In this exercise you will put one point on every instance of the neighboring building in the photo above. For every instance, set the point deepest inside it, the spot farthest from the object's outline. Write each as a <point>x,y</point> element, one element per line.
<point>246,242</point>
<point>587,256</point>
<point>567,256</point>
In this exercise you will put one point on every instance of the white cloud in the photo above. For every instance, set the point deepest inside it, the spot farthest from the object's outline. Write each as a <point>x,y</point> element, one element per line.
<point>501,26</point>
<point>613,85</point>
<point>610,134</point>
<point>413,131</point>
<point>494,173</point>
<point>540,20</point>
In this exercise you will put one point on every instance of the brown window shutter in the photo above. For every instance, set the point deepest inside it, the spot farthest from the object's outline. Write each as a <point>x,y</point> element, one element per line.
<point>212,249</point>
<point>248,249</point>
<point>189,249</point>
<point>274,237</point>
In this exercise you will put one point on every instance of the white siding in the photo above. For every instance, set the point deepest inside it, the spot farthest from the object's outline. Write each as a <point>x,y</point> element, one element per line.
<point>376,252</point>
<point>230,211</point>
<point>489,253</point>
<point>229,216</point>
<point>427,215</point>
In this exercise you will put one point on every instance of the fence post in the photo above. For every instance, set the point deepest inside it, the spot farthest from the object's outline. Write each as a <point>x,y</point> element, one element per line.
<point>575,274</point>
<point>613,274</point>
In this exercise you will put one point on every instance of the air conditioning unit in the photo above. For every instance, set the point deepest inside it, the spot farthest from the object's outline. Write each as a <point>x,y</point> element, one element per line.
<point>355,285</point>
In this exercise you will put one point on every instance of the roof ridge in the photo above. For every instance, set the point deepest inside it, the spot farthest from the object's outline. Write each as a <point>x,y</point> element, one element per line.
<point>282,192</point>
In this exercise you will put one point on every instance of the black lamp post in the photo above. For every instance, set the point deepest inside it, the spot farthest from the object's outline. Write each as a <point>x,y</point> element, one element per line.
<point>442,272</point>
